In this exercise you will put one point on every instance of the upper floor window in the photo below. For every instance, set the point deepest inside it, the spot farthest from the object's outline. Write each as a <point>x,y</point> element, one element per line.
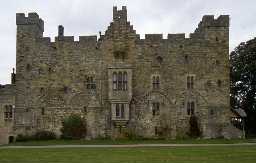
<point>119,111</point>
<point>156,82</point>
<point>155,108</point>
<point>114,81</point>
<point>120,81</point>
<point>125,81</point>
<point>190,81</point>
<point>8,112</point>
<point>191,108</point>
<point>90,83</point>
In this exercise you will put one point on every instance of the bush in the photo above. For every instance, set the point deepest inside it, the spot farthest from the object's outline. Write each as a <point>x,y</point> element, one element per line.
<point>45,135</point>
<point>23,138</point>
<point>73,127</point>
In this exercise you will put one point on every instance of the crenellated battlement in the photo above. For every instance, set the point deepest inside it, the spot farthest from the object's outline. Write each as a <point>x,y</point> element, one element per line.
<point>175,37</point>
<point>209,21</point>
<point>31,19</point>
<point>153,37</point>
<point>88,39</point>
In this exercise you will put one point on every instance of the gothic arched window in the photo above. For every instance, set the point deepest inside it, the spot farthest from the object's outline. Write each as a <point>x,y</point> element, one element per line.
<point>114,81</point>
<point>120,81</point>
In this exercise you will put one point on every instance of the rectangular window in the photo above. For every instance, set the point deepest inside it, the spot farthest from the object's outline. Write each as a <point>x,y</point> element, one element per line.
<point>156,82</point>
<point>155,108</point>
<point>190,82</point>
<point>117,111</point>
<point>90,83</point>
<point>120,111</point>
<point>191,108</point>
<point>8,113</point>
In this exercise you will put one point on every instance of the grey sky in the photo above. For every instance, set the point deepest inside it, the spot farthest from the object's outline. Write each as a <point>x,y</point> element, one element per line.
<point>88,17</point>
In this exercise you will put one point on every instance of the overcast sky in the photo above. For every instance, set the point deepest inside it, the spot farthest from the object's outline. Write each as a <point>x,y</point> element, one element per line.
<point>88,17</point>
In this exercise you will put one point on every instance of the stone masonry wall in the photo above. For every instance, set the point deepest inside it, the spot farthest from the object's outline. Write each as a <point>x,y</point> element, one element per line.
<point>54,78</point>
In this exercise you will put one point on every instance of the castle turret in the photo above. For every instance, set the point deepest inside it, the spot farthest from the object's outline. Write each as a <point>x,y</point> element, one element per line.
<point>29,29</point>
<point>215,30</point>
<point>120,15</point>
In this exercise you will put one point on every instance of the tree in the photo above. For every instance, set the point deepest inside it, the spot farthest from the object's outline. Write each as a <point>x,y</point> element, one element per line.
<point>73,127</point>
<point>243,82</point>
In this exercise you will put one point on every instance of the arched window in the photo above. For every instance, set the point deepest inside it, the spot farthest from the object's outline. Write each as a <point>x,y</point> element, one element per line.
<point>114,81</point>
<point>120,81</point>
<point>125,81</point>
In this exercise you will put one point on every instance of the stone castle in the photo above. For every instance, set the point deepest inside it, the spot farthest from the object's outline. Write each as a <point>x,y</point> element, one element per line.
<point>119,82</point>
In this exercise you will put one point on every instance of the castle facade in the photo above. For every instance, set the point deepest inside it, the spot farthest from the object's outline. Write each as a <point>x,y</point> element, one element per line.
<point>122,84</point>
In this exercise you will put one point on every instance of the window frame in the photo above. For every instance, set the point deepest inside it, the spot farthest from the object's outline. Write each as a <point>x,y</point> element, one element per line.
<point>156,82</point>
<point>8,112</point>
<point>90,83</point>
<point>191,108</point>
<point>155,108</point>
<point>190,81</point>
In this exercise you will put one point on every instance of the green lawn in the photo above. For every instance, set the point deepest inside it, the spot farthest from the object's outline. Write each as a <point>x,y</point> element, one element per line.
<point>108,141</point>
<point>236,154</point>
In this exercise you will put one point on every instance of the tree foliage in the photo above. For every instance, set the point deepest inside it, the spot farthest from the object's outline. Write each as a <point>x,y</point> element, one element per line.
<point>74,127</point>
<point>243,82</point>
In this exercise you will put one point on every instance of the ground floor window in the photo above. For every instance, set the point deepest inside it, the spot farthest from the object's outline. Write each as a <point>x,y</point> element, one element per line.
<point>119,110</point>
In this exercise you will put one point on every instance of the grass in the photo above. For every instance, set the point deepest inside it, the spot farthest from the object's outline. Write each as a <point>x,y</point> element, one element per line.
<point>236,154</point>
<point>124,141</point>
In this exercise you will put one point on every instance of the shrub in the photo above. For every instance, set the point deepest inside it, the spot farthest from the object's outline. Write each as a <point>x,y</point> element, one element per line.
<point>23,138</point>
<point>73,127</point>
<point>45,135</point>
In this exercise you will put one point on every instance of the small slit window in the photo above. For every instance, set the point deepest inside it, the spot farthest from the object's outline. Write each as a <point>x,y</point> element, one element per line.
<point>190,81</point>
<point>156,82</point>
<point>191,108</point>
